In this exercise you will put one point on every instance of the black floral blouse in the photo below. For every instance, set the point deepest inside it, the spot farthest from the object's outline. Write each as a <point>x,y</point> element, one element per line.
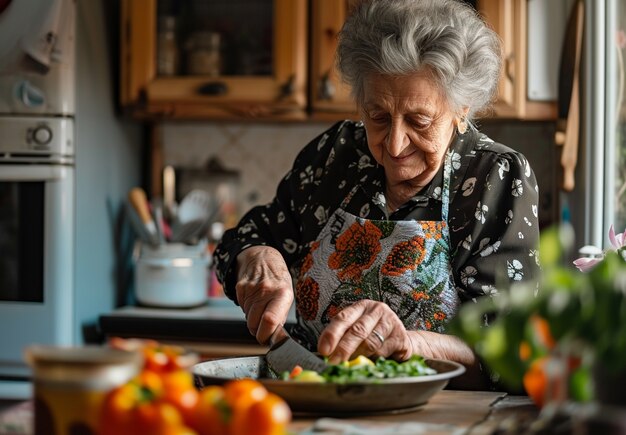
<point>494,230</point>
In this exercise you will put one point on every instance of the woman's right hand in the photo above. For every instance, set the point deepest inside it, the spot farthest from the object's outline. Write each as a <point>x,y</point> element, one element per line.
<point>264,290</point>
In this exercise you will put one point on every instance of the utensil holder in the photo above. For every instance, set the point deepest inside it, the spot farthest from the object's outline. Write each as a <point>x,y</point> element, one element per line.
<point>172,275</point>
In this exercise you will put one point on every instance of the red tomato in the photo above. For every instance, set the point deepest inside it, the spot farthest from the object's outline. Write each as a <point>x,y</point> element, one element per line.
<point>268,416</point>
<point>115,416</point>
<point>155,417</point>
<point>211,415</point>
<point>241,392</point>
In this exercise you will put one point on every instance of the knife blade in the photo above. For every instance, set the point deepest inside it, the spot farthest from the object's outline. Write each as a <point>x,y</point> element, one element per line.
<point>285,353</point>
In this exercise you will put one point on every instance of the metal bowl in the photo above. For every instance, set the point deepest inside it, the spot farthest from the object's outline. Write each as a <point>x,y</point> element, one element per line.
<point>376,396</point>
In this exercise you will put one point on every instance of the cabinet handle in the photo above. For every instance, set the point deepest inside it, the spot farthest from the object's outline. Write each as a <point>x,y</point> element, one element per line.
<point>326,89</point>
<point>213,88</point>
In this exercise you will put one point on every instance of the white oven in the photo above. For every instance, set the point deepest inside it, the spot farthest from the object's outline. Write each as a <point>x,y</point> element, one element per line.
<point>37,191</point>
<point>36,241</point>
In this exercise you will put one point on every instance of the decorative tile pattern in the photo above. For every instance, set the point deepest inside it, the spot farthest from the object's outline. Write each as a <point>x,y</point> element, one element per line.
<point>263,153</point>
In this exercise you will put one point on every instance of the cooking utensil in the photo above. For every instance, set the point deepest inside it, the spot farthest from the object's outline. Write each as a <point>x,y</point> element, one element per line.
<point>157,211</point>
<point>169,193</point>
<point>194,216</point>
<point>359,398</point>
<point>137,199</point>
<point>285,353</point>
<point>137,224</point>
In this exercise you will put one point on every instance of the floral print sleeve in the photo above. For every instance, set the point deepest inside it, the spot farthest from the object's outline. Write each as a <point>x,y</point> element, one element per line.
<point>278,224</point>
<point>500,230</point>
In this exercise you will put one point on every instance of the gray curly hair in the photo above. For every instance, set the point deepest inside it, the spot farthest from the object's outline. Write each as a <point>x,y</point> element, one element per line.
<point>401,37</point>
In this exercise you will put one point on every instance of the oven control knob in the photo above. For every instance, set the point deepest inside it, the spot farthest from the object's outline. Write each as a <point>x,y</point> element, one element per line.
<point>42,135</point>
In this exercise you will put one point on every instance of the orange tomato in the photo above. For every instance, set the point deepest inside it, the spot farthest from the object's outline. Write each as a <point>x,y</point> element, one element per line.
<point>178,430</point>
<point>117,406</point>
<point>239,395</point>
<point>541,331</point>
<point>150,381</point>
<point>185,400</point>
<point>535,381</point>
<point>155,417</point>
<point>149,404</point>
<point>177,379</point>
<point>540,387</point>
<point>242,392</point>
<point>157,357</point>
<point>268,416</point>
<point>211,414</point>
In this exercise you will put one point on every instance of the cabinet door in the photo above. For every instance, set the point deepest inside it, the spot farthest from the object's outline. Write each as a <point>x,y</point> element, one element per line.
<point>262,55</point>
<point>329,97</point>
<point>509,19</point>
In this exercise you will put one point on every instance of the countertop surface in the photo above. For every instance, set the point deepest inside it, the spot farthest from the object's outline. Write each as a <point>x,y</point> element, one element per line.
<point>217,323</point>
<point>448,412</point>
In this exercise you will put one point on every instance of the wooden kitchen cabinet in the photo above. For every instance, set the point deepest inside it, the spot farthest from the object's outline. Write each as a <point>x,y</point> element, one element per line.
<point>262,60</point>
<point>329,97</point>
<point>300,82</point>
<point>509,18</point>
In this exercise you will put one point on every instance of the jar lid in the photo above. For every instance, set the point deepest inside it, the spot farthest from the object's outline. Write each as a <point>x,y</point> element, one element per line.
<point>82,366</point>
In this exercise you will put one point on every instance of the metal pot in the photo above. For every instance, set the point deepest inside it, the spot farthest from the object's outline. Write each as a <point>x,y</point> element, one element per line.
<point>172,275</point>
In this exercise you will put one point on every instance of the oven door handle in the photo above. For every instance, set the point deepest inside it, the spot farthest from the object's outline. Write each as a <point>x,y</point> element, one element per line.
<point>34,172</point>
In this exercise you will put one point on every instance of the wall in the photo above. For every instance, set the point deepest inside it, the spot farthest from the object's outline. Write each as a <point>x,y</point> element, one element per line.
<point>536,141</point>
<point>107,161</point>
<point>264,152</point>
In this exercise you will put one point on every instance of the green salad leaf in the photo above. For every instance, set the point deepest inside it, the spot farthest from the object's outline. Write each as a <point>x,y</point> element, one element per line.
<point>364,369</point>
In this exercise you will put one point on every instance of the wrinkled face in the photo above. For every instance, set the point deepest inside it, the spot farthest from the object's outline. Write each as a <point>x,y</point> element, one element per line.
<point>409,127</point>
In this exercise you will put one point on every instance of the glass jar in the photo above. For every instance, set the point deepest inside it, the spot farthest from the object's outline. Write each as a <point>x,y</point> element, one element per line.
<point>204,57</point>
<point>168,56</point>
<point>71,383</point>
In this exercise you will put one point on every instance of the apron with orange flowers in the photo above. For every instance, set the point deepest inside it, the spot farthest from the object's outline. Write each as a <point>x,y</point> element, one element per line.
<point>404,264</point>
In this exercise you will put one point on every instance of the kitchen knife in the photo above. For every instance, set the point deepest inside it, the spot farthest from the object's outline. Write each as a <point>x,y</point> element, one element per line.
<point>285,353</point>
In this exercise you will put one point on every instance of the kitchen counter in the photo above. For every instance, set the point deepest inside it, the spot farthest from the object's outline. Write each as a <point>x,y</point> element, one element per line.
<point>216,329</point>
<point>448,412</point>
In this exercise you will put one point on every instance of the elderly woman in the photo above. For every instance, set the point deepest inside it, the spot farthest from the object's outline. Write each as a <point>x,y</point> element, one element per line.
<point>388,224</point>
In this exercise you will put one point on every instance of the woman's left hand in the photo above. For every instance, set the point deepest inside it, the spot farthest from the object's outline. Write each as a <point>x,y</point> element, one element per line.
<point>367,328</point>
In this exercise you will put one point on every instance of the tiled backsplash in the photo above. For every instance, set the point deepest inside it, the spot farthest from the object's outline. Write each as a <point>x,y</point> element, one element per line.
<point>263,153</point>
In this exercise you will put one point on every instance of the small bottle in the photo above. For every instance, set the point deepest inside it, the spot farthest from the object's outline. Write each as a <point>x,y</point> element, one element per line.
<point>204,56</point>
<point>168,56</point>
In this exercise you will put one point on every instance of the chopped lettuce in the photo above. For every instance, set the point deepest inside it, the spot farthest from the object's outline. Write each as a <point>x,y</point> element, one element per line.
<point>361,369</point>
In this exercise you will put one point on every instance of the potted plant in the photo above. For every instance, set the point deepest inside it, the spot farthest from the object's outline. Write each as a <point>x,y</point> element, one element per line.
<point>564,339</point>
